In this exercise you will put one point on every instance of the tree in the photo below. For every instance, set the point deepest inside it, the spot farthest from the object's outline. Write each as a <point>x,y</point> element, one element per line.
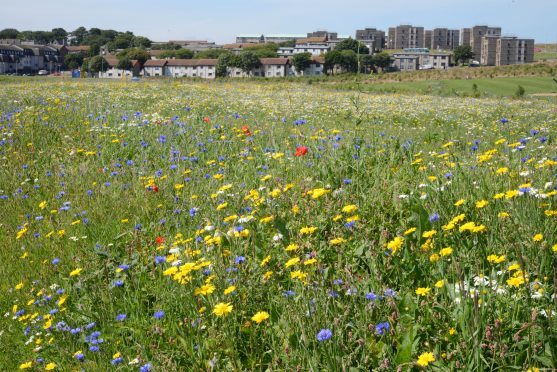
<point>225,61</point>
<point>73,61</point>
<point>78,35</point>
<point>59,34</point>
<point>9,33</point>
<point>184,53</point>
<point>135,53</point>
<point>382,60</point>
<point>332,59</point>
<point>165,46</point>
<point>141,42</point>
<point>210,53</point>
<point>367,63</point>
<point>301,61</point>
<point>85,67</point>
<point>249,61</point>
<point>124,64</point>
<point>287,44</point>
<point>98,64</point>
<point>268,50</point>
<point>463,53</point>
<point>94,50</point>
<point>354,45</point>
<point>349,60</point>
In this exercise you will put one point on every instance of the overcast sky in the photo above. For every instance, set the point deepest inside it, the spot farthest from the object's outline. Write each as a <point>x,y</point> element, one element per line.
<point>222,20</point>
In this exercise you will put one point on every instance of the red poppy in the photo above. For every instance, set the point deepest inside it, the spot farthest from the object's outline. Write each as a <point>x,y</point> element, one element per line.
<point>155,188</point>
<point>246,131</point>
<point>159,240</point>
<point>207,119</point>
<point>301,151</point>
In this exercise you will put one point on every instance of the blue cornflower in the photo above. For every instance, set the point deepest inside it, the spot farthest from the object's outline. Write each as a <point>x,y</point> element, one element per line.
<point>382,328</point>
<point>56,261</point>
<point>434,217</point>
<point>159,314</point>
<point>116,361</point>
<point>371,296</point>
<point>324,335</point>
<point>389,293</point>
<point>239,260</point>
<point>121,317</point>
<point>146,367</point>
<point>160,260</point>
<point>338,281</point>
<point>118,283</point>
<point>80,357</point>
<point>289,293</point>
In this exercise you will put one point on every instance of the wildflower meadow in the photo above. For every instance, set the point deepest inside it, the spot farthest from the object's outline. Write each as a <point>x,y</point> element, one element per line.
<point>177,226</point>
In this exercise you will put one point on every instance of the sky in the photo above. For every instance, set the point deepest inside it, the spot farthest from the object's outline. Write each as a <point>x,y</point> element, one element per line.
<point>221,20</point>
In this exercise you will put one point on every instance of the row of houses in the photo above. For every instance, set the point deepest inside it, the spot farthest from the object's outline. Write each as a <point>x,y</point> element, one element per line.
<point>206,68</point>
<point>19,57</point>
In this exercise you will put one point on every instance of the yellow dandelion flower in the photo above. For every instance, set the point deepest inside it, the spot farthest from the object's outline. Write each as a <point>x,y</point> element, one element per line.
<point>222,308</point>
<point>425,358</point>
<point>260,316</point>
<point>423,291</point>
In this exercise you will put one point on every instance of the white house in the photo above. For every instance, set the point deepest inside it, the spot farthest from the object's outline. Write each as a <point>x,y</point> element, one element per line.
<point>202,68</point>
<point>154,67</point>
<point>316,68</point>
<point>114,72</point>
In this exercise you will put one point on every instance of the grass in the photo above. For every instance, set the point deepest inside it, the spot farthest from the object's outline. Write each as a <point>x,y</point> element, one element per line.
<point>501,87</point>
<point>178,225</point>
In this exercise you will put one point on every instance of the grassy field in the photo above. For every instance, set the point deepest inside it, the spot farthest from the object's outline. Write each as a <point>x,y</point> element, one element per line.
<point>175,225</point>
<point>502,87</point>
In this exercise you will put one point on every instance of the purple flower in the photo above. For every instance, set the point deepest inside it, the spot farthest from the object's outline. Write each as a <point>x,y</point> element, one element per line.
<point>146,367</point>
<point>160,260</point>
<point>382,328</point>
<point>371,296</point>
<point>121,317</point>
<point>324,335</point>
<point>434,217</point>
<point>159,314</point>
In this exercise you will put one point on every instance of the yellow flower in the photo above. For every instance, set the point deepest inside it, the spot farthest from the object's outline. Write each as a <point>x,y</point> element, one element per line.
<point>291,247</point>
<point>395,244</point>
<point>307,230</point>
<point>511,194</point>
<point>222,309</point>
<point>452,331</point>
<point>349,209</point>
<point>554,248</point>
<point>502,170</point>
<point>425,359</point>
<point>446,252</point>
<point>229,290</point>
<point>292,262</point>
<point>75,272</point>
<point>538,237</point>
<point>298,275</point>
<point>337,241</point>
<point>311,261</point>
<point>429,234</point>
<point>423,291</point>
<point>26,365</point>
<point>222,206</point>
<point>459,202</point>
<point>42,205</point>
<point>204,290</point>
<point>503,215</point>
<point>515,281</point>
<point>50,366</point>
<point>409,231</point>
<point>494,259</point>
<point>260,316</point>
<point>434,257</point>
<point>265,261</point>
<point>481,203</point>
<point>440,284</point>
<point>267,275</point>
<point>19,286</point>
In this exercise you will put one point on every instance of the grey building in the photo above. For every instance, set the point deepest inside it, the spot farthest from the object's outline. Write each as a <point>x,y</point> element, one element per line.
<point>373,38</point>
<point>405,36</point>
<point>325,34</point>
<point>502,51</point>
<point>476,35</point>
<point>444,38</point>
<point>464,38</point>
<point>428,39</point>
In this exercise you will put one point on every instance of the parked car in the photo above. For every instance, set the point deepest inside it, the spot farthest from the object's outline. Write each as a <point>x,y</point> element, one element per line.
<point>43,72</point>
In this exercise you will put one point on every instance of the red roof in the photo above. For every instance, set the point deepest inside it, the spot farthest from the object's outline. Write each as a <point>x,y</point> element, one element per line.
<point>155,63</point>
<point>274,61</point>
<point>191,62</point>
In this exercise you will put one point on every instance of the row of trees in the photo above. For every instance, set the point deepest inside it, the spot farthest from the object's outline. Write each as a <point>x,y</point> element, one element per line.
<point>81,36</point>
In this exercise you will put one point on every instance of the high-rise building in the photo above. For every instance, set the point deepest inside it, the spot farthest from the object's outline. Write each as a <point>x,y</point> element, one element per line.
<point>373,38</point>
<point>501,51</point>
<point>476,35</point>
<point>405,36</point>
